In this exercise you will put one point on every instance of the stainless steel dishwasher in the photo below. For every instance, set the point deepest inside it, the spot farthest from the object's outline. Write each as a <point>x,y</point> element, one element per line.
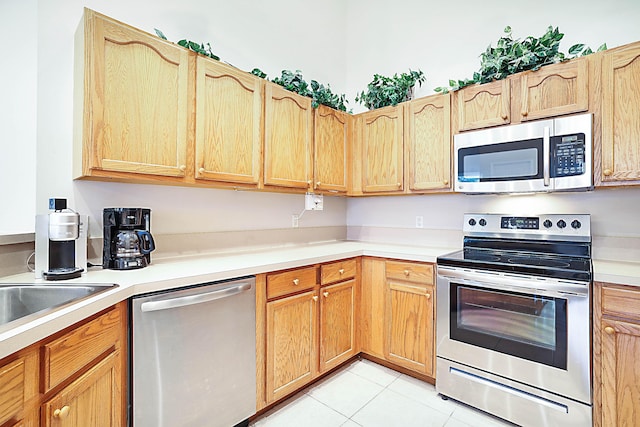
<point>194,355</point>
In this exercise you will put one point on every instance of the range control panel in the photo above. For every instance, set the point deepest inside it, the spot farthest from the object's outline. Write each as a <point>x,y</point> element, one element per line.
<point>549,226</point>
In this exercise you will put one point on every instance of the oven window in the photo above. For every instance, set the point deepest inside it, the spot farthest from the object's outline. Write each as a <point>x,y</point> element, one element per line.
<point>526,326</point>
<point>501,162</point>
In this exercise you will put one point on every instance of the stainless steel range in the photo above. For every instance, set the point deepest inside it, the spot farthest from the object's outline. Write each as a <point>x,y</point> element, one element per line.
<point>514,319</point>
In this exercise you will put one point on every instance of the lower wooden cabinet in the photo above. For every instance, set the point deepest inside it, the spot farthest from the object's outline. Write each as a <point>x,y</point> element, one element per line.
<point>337,324</point>
<point>616,345</point>
<point>398,318</point>
<point>76,377</point>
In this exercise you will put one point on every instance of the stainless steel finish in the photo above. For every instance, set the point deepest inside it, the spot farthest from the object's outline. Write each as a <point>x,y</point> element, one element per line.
<point>43,240</point>
<point>194,356</point>
<point>492,227</point>
<point>574,382</point>
<point>23,303</point>
<point>525,131</point>
<point>64,226</point>
<point>520,403</point>
<point>545,155</point>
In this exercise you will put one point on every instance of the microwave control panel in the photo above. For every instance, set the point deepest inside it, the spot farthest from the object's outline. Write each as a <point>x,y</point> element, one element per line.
<point>568,155</point>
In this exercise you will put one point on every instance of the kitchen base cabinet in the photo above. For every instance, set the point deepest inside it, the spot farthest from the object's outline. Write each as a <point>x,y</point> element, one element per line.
<point>19,390</point>
<point>616,345</point>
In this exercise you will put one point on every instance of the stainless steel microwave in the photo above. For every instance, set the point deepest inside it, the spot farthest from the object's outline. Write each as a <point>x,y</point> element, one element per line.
<point>540,156</point>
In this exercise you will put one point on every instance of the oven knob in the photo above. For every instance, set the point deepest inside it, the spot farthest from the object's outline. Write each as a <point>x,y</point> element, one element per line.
<point>576,224</point>
<point>472,222</point>
<point>547,224</point>
<point>482,222</point>
<point>561,224</point>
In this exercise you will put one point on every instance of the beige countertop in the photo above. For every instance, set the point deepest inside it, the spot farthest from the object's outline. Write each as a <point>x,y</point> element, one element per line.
<point>176,272</point>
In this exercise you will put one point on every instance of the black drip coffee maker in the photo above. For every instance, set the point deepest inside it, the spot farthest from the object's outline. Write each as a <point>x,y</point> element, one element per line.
<point>127,240</point>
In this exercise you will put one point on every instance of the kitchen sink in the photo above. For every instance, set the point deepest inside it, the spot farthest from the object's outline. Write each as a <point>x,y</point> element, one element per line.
<point>21,303</point>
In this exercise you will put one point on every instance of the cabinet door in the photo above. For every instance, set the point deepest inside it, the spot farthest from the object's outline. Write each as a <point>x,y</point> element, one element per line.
<point>287,149</point>
<point>410,327</point>
<point>337,324</point>
<point>291,344</point>
<point>136,98</point>
<point>18,385</point>
<point>620,113</point>
<point>331,141</point>
<point>429,143</point>
<point>620,373</point>
<point>382,146</point>
<point>553,90</point>
<point>94,399</point>
<point>228,123</point>
<point>484,105</point>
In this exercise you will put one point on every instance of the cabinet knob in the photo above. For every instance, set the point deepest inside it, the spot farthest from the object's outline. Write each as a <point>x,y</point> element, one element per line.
<point>341,271</point>
<point>445,182</point>
<point>399,184</point>
<point>315,297</point>
<point>318,184</point>
<point>201,170</point>
<point>607,172</point>
<point>325,293</point>
<point>183,168</point>
<point>61,413</point>
<point>504,116</point>
<point>609,330</point>
<point>524,114</point>
<point>296,282</point>
<point>406,273</point>
<point>428,296</point>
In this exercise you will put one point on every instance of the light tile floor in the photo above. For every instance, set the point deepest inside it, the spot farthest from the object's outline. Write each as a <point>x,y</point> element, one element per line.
<point>370,395</point>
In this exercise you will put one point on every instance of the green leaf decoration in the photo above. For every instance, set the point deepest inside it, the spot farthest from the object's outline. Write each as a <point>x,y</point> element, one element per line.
<point>160,34</point>
<point>383,91</point>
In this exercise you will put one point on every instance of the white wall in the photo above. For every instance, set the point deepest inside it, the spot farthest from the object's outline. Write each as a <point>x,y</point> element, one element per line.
<point>18,85</point>
<point>248,34</point>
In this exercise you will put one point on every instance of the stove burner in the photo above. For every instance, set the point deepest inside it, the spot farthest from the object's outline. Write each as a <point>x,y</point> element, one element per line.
<point>543,262</point>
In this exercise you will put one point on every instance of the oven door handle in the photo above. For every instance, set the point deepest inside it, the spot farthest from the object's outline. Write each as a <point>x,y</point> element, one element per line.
<point>546,150</point>
<point>510,282</point>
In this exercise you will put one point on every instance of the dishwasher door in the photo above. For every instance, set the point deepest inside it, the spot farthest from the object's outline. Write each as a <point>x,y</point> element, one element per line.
<point>194,355</point>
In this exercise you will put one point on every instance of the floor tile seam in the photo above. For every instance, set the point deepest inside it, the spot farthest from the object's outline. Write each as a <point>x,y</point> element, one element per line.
<point>368,379</point>
<point>421,403</point>
<point>329,407</point>
<point>365,405</point>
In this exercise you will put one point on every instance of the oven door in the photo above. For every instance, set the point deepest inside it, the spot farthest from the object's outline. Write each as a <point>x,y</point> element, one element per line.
<point>531,330</point>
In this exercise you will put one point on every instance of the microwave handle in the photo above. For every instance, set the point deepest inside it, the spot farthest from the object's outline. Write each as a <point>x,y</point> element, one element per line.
<point>546,155</point>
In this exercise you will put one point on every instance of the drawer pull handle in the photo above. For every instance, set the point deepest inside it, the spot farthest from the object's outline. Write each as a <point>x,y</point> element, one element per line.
<point>325,293</point>
<point>341,271</point>
<point>609,330</point>
<point>61,413</point>
<point>296,282</point>
<point>406,273</point>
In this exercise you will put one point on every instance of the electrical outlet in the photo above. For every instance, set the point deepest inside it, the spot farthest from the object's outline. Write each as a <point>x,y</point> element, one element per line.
<point>419,221</point>
<point>294,221</point>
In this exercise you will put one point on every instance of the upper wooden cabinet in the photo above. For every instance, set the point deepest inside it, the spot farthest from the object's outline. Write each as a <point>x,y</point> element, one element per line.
<point>484,105</point>
<point>132,101</point>
<point>288,132</point>
<point>428,143</point>
<point>620,104</point>
<point>332,130</point>
<point>381,140</point>
<point>228,123</point>
<point>553,90</point>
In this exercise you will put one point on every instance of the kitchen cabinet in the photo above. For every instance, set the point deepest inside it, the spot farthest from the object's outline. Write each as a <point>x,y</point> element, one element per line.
<point>288,137</point>
<point>620,108</point>
<point>616,343</point>
<point>338,314</point>
<point>133,101</point>
<point>398,317</point>
<point>381,134</point>
<point>483,105</point>
<point>409,315</point>
<point>332,130</point>
<point>229,123</point>
<point>18,389</point>
<point>428,143</point>
<point>291,329</point>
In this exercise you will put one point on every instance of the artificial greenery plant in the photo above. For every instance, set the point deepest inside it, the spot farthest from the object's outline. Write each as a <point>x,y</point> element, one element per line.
<point>513,56</point>
<point>384,91</point>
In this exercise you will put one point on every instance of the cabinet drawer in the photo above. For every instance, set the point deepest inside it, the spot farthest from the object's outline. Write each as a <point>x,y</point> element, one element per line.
<point>621,302</point>
<point>337,271</point>
<point>290,281</point>
<point>12,378</point>
<point>76,349</point>
<point>410,272</point>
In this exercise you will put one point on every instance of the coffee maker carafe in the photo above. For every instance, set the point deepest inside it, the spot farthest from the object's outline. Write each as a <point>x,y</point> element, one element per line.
<point>127,240</point>
<point>61,243</point>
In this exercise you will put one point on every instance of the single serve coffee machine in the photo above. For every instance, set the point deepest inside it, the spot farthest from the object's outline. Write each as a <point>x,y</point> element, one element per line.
<point>61,242</point>
<point>127,242</point>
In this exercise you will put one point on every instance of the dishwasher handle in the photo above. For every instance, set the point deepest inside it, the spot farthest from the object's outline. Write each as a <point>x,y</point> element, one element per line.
<point>194,299</point>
